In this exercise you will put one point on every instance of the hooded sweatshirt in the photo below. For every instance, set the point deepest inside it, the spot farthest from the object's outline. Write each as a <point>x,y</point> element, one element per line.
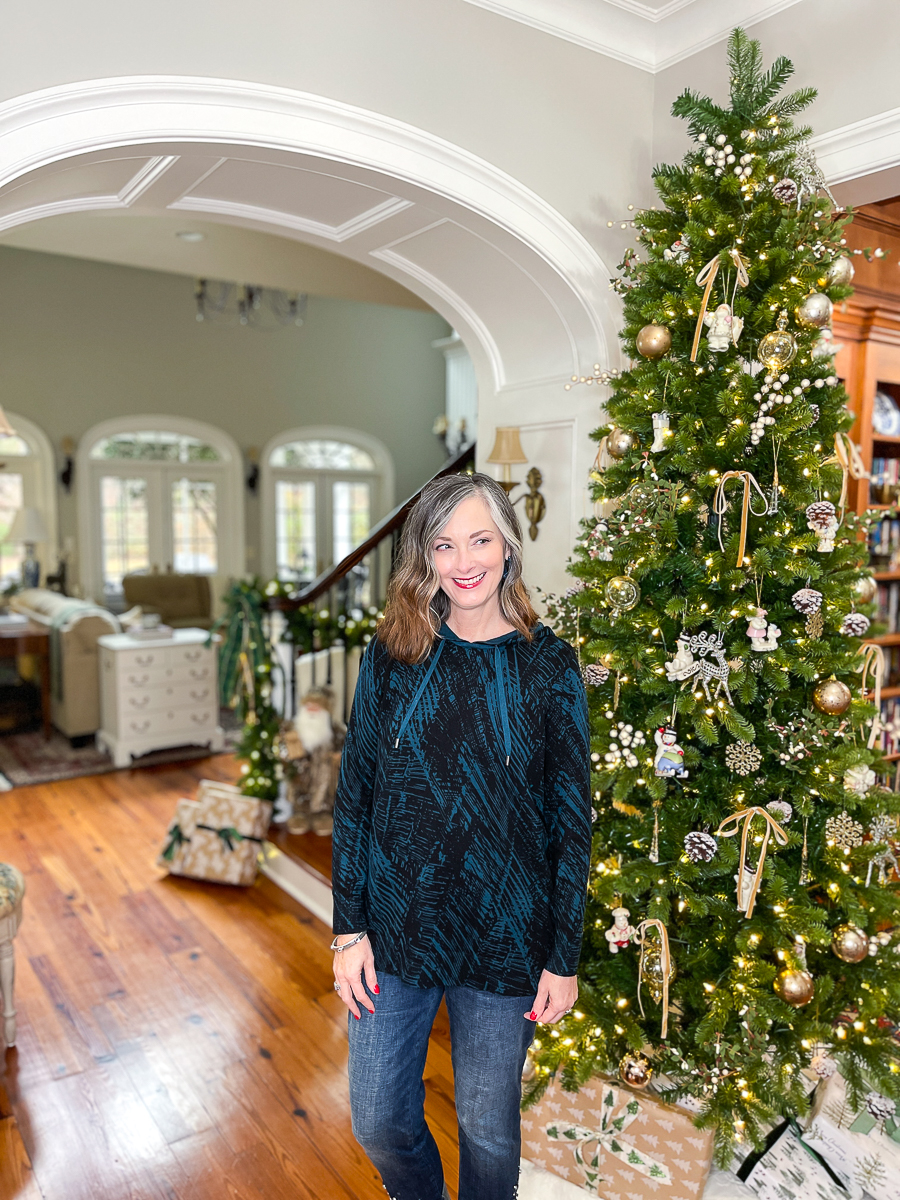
<point>462,820</point>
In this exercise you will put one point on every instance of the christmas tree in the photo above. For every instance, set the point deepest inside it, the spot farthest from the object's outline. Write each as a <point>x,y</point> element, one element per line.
<point>742,865</point>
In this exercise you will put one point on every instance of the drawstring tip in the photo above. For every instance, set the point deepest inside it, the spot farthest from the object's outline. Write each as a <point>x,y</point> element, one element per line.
<point>397,743</point>
<point>507,760</point>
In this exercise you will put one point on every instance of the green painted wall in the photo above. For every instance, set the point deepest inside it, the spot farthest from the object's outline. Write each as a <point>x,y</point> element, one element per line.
<point>83,341</point>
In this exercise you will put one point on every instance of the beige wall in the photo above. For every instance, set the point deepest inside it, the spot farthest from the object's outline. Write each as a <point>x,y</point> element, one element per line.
<point>82,341</point>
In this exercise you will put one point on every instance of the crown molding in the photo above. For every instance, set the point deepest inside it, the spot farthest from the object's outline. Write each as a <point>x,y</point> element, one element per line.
<point>640,35</point>
<point>861,148</point>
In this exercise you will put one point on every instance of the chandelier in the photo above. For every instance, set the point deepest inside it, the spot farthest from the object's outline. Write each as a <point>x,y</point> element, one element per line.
<point>247,304</point>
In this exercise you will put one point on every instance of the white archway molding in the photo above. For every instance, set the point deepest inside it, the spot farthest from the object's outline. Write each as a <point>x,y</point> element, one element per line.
<point>43,482</point>
<point>435,190</point>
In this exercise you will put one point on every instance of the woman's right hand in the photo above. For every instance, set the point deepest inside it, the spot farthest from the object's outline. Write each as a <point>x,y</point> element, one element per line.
<point>353,968</point>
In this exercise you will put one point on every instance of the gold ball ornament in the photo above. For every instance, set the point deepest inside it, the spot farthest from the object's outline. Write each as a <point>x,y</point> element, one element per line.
<point>850,944</point>
<point>779,347</point>
<point>653,341</point>
<point>635,1070</point>
<point>620,442</point>
<point>840,272</point>
<point>832,697</point>
<point>815,311</point>
<point>866,589</point>
<point>794,987</point>
<point>623,593</point>
<point>653,973</point>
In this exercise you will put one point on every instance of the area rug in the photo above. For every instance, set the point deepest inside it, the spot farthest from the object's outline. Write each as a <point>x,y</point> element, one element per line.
<point>27,758</point>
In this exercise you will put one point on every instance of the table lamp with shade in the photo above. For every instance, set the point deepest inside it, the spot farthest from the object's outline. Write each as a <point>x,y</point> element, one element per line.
<point>28,527</point>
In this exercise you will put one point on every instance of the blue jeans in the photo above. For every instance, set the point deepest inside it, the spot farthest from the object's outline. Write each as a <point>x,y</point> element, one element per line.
<point>489,1037</point>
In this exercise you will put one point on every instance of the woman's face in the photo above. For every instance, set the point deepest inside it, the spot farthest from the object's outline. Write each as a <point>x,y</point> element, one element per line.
<point>469,555</point>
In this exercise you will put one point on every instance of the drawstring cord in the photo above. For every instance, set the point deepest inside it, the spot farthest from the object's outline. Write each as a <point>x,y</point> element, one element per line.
<point>502,688</point>
<point>418,696</point>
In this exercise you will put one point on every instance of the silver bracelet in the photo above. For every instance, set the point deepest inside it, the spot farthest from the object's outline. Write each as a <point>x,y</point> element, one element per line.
<point>346,946</point>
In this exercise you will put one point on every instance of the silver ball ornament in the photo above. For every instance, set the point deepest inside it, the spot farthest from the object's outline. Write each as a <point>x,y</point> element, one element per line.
<point>840,272</point>
<point>815,311</point>
<point>866,589</point>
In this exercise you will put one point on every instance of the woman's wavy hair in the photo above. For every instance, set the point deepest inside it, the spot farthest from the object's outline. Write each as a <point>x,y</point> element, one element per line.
<point>416,605</point>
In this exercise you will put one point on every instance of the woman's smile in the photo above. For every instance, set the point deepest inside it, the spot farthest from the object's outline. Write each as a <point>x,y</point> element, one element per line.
<point>472,582</point>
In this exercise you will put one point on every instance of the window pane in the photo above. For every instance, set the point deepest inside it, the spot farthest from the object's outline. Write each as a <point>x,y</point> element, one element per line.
<point>320,454</point>
<point>195,546</point>
<point>11,553</point>
<point>124,529</point>
<point>151,446</point>
<point>350,516</point>
<point>295,529</point>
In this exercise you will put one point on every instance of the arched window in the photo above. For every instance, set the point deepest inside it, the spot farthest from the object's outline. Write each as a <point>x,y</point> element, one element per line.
<point>158,493</point>
<point>26,481</point>
<point>323,489</point>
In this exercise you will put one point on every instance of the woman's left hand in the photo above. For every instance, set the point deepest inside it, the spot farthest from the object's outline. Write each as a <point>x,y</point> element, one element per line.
<point>556,995</point>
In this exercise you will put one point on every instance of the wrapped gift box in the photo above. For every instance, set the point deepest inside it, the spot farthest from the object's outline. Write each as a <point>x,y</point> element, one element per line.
<point>226,835</point>
<point>858,1149</point>
<point>178,837</point>
<point>789,1170</point>
<point>537,1184</point>
<point>618,1144</point>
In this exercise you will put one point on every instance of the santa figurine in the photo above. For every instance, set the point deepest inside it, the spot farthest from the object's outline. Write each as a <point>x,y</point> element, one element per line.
<point>313,743</point>
<point>669,758</point>
<point>756,629</point>
<point>724,328</point>
<point>620,934</point>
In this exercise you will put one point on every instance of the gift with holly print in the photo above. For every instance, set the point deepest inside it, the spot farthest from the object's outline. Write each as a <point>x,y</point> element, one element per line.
<point>616,1143</point>
<point>860,1144</point>
<point>178,837</point>
<point>227,835</point>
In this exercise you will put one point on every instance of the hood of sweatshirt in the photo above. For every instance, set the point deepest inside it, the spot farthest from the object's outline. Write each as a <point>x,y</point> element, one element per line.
<point>498,648</point>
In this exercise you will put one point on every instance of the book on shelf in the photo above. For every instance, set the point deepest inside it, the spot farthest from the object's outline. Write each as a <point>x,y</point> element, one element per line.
<point>884,544</point>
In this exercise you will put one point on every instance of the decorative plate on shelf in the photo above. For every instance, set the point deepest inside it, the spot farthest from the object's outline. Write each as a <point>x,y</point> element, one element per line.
<point>885,415</point>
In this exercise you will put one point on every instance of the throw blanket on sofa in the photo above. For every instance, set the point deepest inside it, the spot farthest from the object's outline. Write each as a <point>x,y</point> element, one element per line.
<point>63,615</point>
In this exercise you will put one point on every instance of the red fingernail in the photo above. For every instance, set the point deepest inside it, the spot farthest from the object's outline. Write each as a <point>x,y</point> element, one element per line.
<point>356,1015</point>
<point>377,990</point>
<point>532,1016</point>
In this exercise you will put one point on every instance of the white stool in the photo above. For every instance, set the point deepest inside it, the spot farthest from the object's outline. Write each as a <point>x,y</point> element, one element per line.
<point>12,889</point>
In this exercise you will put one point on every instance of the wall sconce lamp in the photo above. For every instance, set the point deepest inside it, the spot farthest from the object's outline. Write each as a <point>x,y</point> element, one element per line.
<point>508,450</point>
<point>67,474</point>
<point>253,472</point>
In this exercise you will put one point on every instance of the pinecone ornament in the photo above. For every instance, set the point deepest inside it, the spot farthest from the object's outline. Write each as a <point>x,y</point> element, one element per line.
<point>700,847</point>
<point>780,810</point>
<point>807,600</point>
<point>820,515</point>
<point>823,1065</point>
<point>855,624</point>
<point>785,190</point>
<point>595,674</point>
<point>879,1106</point>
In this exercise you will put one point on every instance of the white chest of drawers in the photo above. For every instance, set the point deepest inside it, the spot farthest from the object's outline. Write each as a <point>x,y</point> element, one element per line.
<point>156,694</point>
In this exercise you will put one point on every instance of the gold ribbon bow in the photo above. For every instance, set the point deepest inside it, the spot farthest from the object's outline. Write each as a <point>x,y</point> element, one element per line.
<point>665,965</point>
<point>720,507</point>
<point>873,657</point>
<point>847,455</point>
<point>772,827</point>
<point>707,275</point>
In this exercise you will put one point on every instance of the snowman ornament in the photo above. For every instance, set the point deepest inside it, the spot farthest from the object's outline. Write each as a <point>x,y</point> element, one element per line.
<point>669,758</point>
<point>724,328</point>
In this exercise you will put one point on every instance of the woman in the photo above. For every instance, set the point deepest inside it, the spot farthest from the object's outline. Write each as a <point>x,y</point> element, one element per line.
<point>462,830</point>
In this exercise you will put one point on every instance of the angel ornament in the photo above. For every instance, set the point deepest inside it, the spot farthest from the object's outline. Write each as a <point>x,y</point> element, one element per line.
<point>660,429</point>
<point>724,328</point>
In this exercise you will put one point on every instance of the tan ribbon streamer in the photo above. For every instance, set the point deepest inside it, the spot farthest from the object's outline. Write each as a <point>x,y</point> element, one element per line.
<point>707,275</point>
<point>720,507</point>
<point>772,827</point>
<point>665,965</point>
<point>873,656</point>
<point>847,454</point>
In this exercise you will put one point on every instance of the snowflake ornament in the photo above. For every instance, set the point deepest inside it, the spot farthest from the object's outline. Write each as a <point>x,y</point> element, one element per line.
<point>815,625</point>
<point>842,831</point>
<point>743,758</point>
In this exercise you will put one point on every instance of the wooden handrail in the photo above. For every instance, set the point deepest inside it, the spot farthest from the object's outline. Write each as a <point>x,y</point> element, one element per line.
<point>390,524</point>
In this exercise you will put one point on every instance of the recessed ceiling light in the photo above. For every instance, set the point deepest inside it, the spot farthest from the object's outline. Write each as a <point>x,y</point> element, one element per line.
<point>190,235</point>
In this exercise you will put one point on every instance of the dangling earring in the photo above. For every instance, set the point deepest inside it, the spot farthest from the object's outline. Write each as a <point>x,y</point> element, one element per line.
<point>505,567</point>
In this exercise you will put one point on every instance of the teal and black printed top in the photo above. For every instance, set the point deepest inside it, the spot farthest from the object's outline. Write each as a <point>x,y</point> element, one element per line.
<point>462,821</point>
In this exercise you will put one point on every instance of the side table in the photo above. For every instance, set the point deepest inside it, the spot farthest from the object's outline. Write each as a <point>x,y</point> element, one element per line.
<point>12,889</point>
<point>29,638</point>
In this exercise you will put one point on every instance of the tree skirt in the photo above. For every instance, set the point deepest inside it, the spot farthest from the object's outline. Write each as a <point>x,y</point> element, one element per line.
<point>27,758</point>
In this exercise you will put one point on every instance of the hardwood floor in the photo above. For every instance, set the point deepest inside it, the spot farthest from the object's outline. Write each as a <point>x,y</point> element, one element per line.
<point>177,1040</point>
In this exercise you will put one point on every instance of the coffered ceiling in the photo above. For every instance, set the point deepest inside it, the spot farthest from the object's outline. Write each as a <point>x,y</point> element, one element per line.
<point>650,34</point>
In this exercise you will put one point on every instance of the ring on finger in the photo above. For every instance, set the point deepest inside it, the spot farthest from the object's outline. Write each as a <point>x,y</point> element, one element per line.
<point>337,987</point>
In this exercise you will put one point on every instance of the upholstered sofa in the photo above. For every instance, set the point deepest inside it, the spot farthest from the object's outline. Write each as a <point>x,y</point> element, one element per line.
<point>182,601</point>
<point>74,627</point>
